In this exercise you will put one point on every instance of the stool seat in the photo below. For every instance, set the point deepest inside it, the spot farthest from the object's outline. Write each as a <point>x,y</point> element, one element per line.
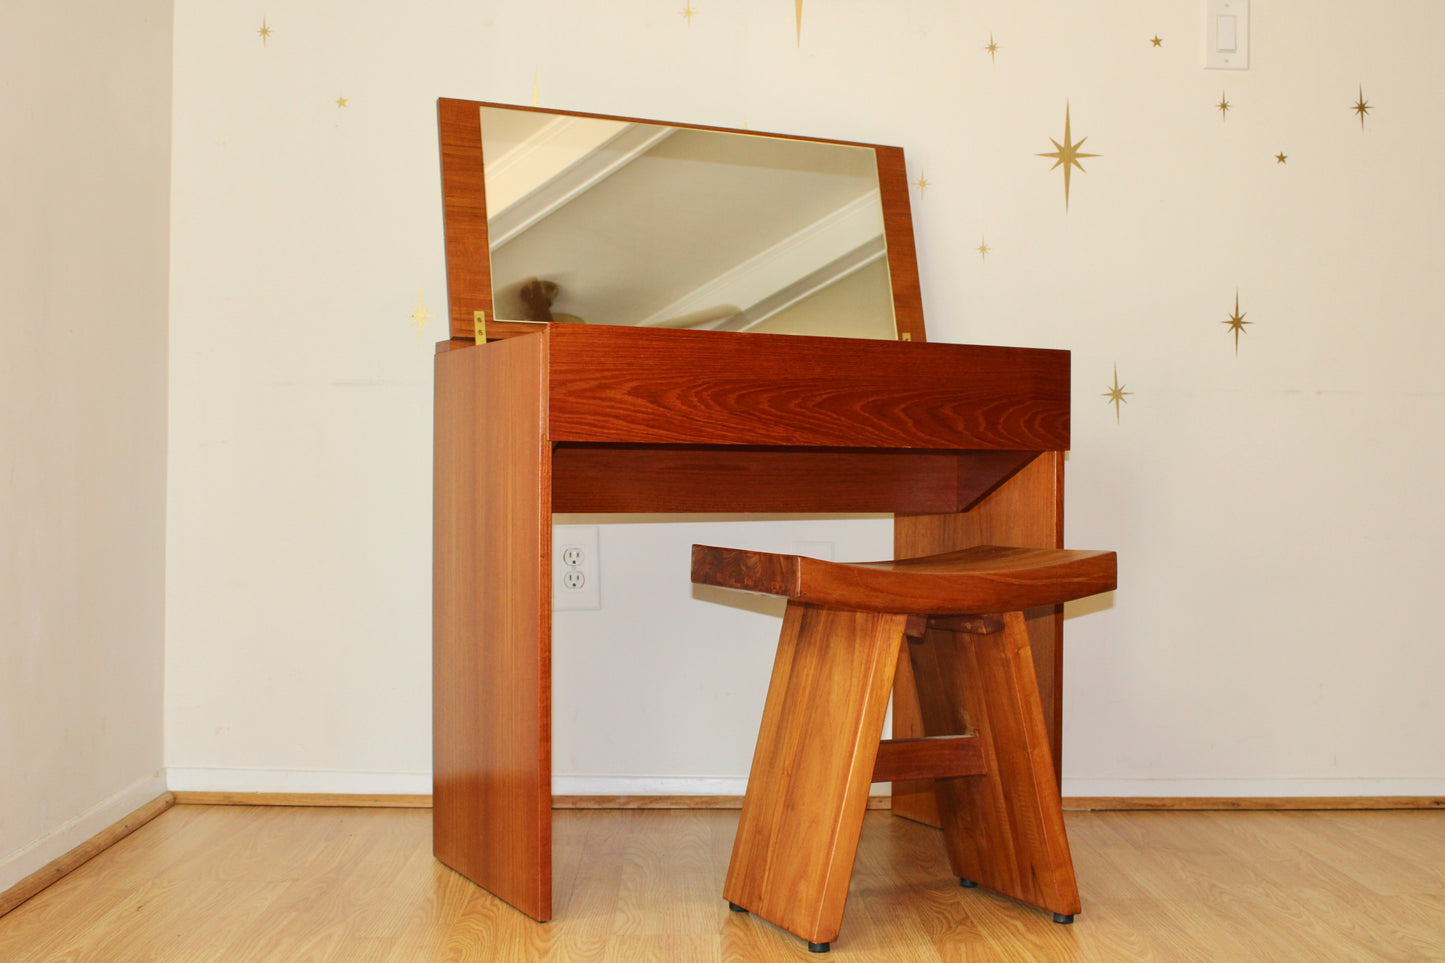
<point>985,746</point>
<point>973,581</point>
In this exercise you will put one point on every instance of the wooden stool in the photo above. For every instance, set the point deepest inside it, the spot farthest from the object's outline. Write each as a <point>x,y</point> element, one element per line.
<point>818,747</point>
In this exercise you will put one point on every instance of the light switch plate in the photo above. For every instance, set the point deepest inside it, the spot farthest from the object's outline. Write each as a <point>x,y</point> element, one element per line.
<point>1226,34</point>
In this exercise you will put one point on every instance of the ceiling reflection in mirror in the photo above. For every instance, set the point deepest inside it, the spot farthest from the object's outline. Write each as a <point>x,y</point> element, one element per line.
<point>607,221</point>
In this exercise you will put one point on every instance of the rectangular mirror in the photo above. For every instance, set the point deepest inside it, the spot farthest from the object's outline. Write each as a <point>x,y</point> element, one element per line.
<point>563,217</point>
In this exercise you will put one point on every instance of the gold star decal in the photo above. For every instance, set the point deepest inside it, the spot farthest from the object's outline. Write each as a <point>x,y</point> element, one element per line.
<point>983,249</point>
<point>340,102</point>
<point>922,182</point>
<point>798,13</point>
<point>1067,154</point>
<point>1223,107</point>
<point>688,13</point>
<point>1361,107</point>
<point>421,316</point>
<point>1236,322</point>
<point>265,32</point>
<point>1156,40</point>
<point>1281,157</point>
<point>992,49</point>
<point>1116,395</point>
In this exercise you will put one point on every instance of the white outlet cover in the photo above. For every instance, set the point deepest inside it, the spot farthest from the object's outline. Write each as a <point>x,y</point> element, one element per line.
<point>575,542</point>
<point>813,549</point>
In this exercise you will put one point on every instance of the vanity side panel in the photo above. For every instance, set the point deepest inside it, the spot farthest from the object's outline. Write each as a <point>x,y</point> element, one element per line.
<point>491,670</point>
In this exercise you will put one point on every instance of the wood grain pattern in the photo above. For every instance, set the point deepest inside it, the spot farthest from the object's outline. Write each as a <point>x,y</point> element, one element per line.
<point>979,580</point>
<point>957,420</point>
<point>669,802</point>
<point>464,215</point>
<point>492,691</point>
<point>986,746</point>
<point>929,757</point>
<point>747,571</point>
<point>1003,828</point>
<point>969,624</point>
<point>58,869</point>
<point>1027,510</point>
<point>898,234</point>
<point>735,478</point>
<point>275,885</point>
<point>619,384</point>
<point>808,787</point>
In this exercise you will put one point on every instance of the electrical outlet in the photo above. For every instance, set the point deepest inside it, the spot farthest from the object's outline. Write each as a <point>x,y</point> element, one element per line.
<point>575,578</point>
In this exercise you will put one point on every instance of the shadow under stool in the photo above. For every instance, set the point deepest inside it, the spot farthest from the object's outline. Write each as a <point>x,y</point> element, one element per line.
<point>819,745</point>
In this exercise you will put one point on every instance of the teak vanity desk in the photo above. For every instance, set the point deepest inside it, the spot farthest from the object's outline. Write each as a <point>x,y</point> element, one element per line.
<point>963,443</point>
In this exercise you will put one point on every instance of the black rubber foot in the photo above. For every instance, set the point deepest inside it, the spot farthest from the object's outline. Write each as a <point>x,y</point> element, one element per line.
<point>967,883</point>
<point>1064,918</point>
<point>818,947</point>
<point>735,907</point>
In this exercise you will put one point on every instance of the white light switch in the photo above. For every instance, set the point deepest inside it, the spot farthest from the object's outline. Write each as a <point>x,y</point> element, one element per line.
<point>1224,27</point>
<point>1226,34</point>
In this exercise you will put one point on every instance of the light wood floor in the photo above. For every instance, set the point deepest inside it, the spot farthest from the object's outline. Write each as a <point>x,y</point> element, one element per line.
<point>242,884</point>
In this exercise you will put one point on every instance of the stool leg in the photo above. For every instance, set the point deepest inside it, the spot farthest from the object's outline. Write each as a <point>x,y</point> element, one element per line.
<point>1003,829</point>
<point>808,788</point>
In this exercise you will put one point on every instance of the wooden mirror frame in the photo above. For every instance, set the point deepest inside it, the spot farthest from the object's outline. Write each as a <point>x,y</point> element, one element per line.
<point>468,252</point>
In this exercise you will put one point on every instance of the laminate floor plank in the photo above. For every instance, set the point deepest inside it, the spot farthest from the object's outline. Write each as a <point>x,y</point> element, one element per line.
<point>300,884</point>
<point>1397,853</point>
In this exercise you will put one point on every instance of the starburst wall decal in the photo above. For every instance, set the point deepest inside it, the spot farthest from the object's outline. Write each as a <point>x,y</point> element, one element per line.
<point>265,33</point>
<point>1361,106</point>
<point>1067,154</point>
<point>1117,395</point>
<point>421,317</point>
<point>1236,322</point>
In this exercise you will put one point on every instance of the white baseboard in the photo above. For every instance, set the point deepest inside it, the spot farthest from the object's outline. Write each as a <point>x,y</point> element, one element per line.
<point>220,779</point>
<point>368,783</point>
<point>571,785</point>
<point>1250,788</point>
<point>349,782</point>
<point>79,829</point>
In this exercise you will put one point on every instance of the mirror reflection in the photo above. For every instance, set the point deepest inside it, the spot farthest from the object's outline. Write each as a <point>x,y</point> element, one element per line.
<point>605,221</point>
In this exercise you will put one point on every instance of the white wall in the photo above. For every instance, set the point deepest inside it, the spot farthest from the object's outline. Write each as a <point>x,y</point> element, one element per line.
<point>83,201</point>
<point>1276,510</point>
